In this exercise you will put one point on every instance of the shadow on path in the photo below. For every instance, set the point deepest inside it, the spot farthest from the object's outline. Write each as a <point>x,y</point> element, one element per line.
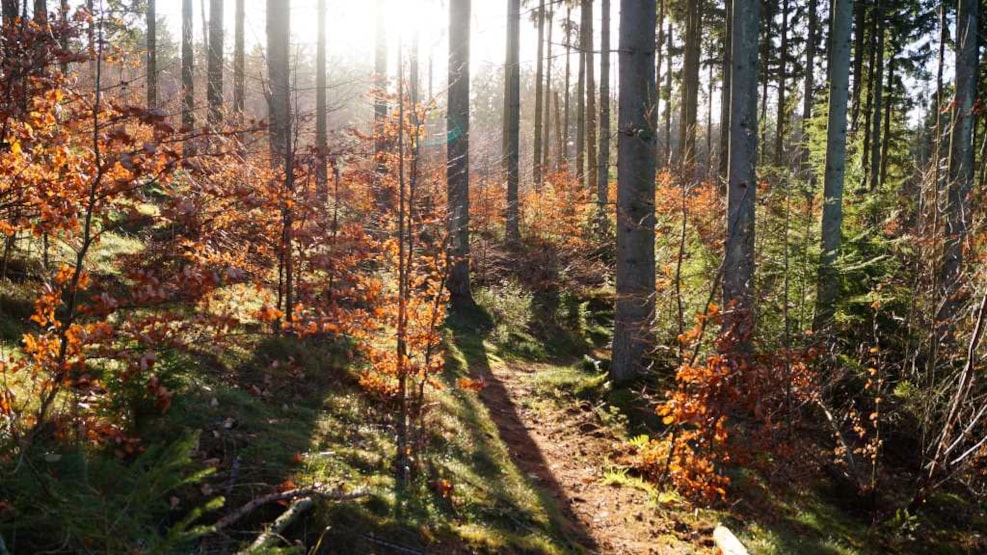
<point>468,331</point>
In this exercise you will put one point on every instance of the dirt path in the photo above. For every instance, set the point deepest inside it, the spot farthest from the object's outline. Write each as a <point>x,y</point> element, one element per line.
<point>563,452</point>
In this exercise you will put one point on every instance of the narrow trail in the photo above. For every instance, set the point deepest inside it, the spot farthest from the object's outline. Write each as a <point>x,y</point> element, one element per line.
<point>563,452</point>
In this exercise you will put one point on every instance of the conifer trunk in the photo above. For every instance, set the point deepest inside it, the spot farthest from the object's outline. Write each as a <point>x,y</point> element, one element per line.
<point>738,280</point>
<point>635,268</point>
<point>836,131</point>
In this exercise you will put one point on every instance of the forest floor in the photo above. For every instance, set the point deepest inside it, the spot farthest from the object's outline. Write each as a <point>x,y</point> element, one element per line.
<point>565,451</point>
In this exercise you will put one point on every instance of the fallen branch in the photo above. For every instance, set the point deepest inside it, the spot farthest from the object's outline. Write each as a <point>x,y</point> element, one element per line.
<point>314,490</point>
<point>298,506</point>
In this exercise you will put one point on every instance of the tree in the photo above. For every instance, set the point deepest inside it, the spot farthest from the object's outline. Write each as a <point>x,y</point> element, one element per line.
<point>539,94</point>
<point>635,266</point>
<point>380,90</point>
<point>836,130</point>
<point>321,131</point>
<point>547,95</point>
<point>782,82</point>
<point>586,43</point>
<point>152,60</point>
<point>238,63</point>
<point>690,84</point>
<point>738,275</point>
<point>960,170</point>
<point>214,88</point>
<point>725,94</point>
<point>603,166</point>
<point>457,152</point>
<point>278,75</point>
<point>512,117</point>
<point>188,71</point>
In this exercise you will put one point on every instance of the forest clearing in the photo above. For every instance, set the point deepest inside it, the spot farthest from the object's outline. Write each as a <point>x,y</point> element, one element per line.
<point>492,276</point>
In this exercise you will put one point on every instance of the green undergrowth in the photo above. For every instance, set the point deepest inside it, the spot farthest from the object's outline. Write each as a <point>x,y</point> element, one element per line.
<point>272,413</point>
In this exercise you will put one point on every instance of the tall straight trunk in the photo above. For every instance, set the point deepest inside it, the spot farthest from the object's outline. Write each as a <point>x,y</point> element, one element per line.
<point>827,285</point>
<point>859,30</point>
<point>782,82</point>
<point>960,185</point>
<point>558,132</point>
<point>188,72</point>
<point>214,89</point>
<point>668,90</point>
<point>536,164</point>
<point>41,12</point>
<point>869,101</point>
<point>725,95</point>
<point>512,115</point>
<point>603,166</point>
<point>709,118</point>
<point>660,45</point>
<point>888,105</point>
<point>64,41</point>
<point>567,94</point>
<point>809,84</point>
<point>547,96</point>
<point>589,54</point>
<point>940,63</point>
<point>278,75</point>
<point>238,63</point>
<point>581,114</point>
<point>633,338</point>
<point>690,85</point>
<point>874,172</point>
<point>738,276</point>
<point>457,152</point>
<point>321,127</point>
<point>152,57</point>
<point>380,92</point>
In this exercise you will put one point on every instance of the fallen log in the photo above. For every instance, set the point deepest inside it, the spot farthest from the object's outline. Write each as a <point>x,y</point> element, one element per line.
<point>316,490</point>
<point>297,507</point>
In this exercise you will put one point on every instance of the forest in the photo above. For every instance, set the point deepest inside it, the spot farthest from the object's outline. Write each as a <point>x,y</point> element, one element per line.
<point>492,276</point>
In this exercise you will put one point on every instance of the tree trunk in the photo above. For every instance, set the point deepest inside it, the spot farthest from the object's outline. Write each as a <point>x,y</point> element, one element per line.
<point>782,82</point>
<point>238,64</point>
<point>215,86</point>
<point>738,278</point>
<point>659,45</point>
<point>567,28</point>
<point>836,130</point>
<point>457,168</point>
<point>152,59</point>
<point>668,91</point>
<point>188,74</point>
<point>603,166</point>
<point>635,268</point>
<point>960,171</point>
<point>810,60</point>
<point>874,172</point>
<point>380,98</point>
<point>536,165</point>
<point>547,111</point>
<point>512,115</point>
<point>589,54</point>
<point>321,130</point>
<point>859,28</point>
<point>888,105</point>
<point>725,95</point>
<point>580,145</point>
<point>690,85</point>
<point>278,74</point>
